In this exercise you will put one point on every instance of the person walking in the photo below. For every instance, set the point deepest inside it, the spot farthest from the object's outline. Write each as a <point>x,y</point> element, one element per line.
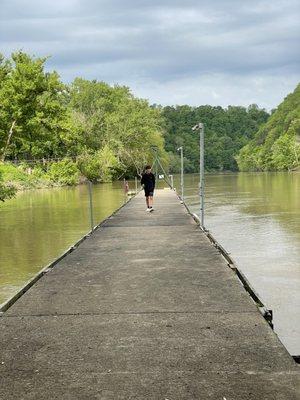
<point>148,182</point>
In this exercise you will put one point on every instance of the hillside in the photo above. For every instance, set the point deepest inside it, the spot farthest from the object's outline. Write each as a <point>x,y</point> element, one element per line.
<point>276,145</point>
<point>226,132</point>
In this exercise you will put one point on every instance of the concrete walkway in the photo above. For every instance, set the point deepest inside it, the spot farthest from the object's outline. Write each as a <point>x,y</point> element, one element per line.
<point>146,308</point>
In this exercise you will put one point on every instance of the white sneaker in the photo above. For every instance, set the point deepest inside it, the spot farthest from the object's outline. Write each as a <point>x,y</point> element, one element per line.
<point>151,209</point>
<point>148,209</point>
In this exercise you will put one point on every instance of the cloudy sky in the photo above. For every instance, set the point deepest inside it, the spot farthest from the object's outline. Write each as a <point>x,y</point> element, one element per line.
<point>195,52</point>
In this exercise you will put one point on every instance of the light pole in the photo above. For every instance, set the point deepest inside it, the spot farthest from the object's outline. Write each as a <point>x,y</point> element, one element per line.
<point>181,172</point>
<point>200,126</point>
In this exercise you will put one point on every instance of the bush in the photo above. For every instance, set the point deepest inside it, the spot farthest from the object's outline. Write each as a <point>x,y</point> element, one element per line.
<point>13,173</point>
<point>286,153</point>
<point>64,172</point>
<point>248,159</point>
<point>6,191</point>
<point>100,166</point>
<point>23,176</point>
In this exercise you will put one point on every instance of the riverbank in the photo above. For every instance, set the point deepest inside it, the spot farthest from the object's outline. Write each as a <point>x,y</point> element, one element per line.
<point>24,177</point>
<point>64,172</point>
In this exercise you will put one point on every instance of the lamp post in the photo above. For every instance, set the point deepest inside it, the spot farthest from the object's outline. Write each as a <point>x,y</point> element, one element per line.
<point>181,172</point>
<point>200,127</point>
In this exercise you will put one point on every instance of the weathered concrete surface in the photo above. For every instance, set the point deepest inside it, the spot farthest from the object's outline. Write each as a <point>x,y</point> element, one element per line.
<point>145,308</point>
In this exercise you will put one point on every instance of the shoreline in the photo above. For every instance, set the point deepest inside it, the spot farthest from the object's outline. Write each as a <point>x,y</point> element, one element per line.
<point>23,186</point>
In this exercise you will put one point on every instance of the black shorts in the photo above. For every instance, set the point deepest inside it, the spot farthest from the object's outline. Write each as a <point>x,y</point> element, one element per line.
<point>148,192</point>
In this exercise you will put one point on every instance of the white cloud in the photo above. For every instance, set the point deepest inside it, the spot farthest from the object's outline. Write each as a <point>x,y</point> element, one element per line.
<point>170,51</point>
<point>219,89</point>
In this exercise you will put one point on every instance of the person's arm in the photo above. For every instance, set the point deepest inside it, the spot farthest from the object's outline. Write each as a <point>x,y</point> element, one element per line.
<point>142,180</point>
<point>153,180</point>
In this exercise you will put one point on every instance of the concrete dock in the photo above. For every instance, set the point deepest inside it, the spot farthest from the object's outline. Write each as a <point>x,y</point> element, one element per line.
<point>145,308</point>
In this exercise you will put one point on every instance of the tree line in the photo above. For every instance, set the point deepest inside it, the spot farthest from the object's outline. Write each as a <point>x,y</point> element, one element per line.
<point>98,130</point>
<point>226,132</point>
<point>59,132</point>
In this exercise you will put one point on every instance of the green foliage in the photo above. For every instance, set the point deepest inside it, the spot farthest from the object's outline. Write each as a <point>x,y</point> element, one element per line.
<point>64,172</point>
<point>276,144</point>
<point>174,163</point>
<point>22,176</point>
<point>111,133</point>
<point>111,117</point>
<point>109,130</point>
<point>248,159</point>
<point>6,191</point>
<point>286,154</point>
<point>32,113</point>
<point>99,166</point>
<point>11,173</point>
<point>226,132</point>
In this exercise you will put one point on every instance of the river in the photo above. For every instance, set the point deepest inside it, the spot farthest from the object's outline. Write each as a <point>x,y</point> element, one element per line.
<point>39,225</point>
<point>256,217</point>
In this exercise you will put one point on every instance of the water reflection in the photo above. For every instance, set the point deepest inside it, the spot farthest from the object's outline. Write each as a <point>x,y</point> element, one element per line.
<point>39,225</point>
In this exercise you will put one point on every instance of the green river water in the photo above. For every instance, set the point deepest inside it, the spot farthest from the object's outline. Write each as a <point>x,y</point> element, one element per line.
<point>256,217</point>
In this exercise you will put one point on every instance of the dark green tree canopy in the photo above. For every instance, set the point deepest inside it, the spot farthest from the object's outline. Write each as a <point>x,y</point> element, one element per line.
<point>276,145</point>
<point>226,132</point>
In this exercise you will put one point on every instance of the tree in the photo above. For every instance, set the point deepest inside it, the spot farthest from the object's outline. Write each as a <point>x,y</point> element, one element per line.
<point>104,126</point>
<point>31,112</point>
<point>226,132</point>
<point>6,191</point>
<point>275,146</point>
<point>111,118</point>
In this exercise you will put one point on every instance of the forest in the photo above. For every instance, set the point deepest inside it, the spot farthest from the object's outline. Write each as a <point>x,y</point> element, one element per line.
<point>52,133</point>
<point>55,134</point>
<point>226,132</point>
<point>276,145</point>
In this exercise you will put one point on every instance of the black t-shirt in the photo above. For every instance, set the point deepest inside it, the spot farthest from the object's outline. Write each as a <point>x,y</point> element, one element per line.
<point>148,180</point>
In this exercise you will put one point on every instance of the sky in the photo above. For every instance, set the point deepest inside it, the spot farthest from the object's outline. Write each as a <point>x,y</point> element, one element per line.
<point>218,52</point>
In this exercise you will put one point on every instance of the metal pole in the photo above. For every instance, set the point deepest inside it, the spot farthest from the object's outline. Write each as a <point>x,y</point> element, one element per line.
<point>181,183</point>
<point>155,167</point>
<point>201,128</point>
<point>91,204</point>
<point>172,181</point>
<point>136,185</point>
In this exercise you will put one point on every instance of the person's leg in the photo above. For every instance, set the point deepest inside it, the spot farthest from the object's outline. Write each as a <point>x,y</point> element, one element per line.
<point>146,197</point>
<point>150,201</point>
